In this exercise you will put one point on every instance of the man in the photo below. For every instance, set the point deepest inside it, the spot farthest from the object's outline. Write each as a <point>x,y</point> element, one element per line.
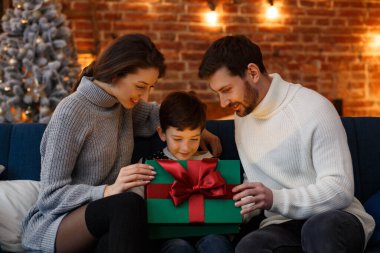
<point>294,151</point>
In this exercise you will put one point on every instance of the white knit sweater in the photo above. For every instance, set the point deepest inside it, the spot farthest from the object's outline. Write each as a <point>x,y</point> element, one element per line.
<point>295,144</point>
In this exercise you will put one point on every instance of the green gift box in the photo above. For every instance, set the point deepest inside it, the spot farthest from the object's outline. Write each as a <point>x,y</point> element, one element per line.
<point>197,215</point>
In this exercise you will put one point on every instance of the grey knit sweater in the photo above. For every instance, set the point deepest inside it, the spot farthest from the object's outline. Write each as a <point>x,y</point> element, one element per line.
<point>87,141</point>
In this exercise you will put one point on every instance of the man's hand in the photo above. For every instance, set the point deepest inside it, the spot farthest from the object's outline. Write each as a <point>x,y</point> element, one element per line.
<point>209,139</point>
<point>253,196</point>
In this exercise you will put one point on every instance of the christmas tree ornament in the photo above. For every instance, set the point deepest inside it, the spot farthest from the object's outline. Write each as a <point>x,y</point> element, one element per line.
<point>13,61</point>
<point>36,14</point>
<point>38,63</point>
<point>39,40</point>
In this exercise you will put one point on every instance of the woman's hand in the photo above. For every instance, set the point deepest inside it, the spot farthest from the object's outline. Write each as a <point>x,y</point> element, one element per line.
<point>130,176</point>
<point>211,140</point>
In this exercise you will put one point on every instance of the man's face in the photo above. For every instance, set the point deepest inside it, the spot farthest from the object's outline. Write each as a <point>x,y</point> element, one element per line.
<point>234,92</point>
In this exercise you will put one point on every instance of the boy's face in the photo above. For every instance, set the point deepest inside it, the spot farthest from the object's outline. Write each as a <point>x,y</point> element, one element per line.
<point>181,144</point>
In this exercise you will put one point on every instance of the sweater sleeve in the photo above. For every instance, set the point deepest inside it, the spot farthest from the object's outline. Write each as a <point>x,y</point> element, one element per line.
<point>330,157</point>
<point>145,118</point>
<point>61,145</point>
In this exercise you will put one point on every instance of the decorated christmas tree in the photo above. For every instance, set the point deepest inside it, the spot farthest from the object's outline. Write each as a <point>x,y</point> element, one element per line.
<point>38,62</point>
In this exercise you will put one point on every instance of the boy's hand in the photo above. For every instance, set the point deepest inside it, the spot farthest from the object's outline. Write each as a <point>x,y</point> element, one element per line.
<point>211,140</point>
<point>130,176</point>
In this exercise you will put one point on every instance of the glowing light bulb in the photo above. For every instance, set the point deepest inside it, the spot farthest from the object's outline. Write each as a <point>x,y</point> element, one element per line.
<point>272,12</point>
<point>212,18</point>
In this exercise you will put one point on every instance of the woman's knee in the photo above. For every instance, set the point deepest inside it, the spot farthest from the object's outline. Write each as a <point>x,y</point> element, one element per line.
<point>129,208</point>
<point>128,202</point>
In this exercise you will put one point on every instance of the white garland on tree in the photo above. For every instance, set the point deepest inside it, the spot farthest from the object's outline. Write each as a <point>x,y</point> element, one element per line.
<point>38,61</point>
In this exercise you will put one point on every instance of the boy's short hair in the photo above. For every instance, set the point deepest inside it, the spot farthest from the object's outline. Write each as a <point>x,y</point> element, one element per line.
<point>182,110</point>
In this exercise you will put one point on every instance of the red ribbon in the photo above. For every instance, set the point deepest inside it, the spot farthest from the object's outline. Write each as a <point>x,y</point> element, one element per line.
<point>200,180</point>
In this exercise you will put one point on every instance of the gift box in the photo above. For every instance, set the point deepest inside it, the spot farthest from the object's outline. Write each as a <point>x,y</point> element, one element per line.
<point>192,198</point>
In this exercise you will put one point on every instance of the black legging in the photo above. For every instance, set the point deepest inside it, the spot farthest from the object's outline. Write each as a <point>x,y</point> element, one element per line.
<point>113,224</point>
<point>120,222</point>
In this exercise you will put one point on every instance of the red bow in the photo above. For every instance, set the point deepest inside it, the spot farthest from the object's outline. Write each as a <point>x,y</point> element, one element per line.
<point>201,179</point>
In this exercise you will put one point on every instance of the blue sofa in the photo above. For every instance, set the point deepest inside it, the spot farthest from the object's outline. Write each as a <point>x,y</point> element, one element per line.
<point>19,153</point>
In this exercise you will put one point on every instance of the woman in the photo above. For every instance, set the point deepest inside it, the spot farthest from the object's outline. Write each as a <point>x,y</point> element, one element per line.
<point>84,203</point>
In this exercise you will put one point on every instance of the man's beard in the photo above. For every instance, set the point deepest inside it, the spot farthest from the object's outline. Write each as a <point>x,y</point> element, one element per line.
<point>250,100</point>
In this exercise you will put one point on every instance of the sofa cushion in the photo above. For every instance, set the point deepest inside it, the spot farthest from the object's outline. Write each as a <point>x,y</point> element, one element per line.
<point>5,133</point>
<point>16,198</point>
<point>24,152</point>
<point>372,206</point>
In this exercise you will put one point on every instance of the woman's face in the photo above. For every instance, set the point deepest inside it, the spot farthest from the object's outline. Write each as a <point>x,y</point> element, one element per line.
<point>130,89</point>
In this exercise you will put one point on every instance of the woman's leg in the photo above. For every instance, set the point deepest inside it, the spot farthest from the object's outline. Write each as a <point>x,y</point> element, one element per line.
<point>73,235</point>
<point>122,217</point>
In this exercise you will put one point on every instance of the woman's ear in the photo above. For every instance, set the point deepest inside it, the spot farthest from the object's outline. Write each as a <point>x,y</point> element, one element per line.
<point>161,134</point>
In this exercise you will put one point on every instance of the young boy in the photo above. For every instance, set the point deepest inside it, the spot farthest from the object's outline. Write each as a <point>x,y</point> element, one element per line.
<point>182,119</point>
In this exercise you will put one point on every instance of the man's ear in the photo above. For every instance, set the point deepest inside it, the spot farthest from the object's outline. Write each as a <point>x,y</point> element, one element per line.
<point>161,134</point>
<point>254,72</point>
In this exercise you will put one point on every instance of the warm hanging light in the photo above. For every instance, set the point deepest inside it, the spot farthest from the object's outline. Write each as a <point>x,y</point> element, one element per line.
<point>376,41</point>
<point>272,11</point>
<point>212,18</point>
<point>212,15</point>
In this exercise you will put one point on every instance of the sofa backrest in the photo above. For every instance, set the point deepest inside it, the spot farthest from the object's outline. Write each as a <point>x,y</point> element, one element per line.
<point>363,134</point>
<point>19,150</point>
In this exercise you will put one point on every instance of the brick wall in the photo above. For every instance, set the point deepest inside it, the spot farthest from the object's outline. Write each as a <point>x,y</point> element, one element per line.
<point>327,45</point>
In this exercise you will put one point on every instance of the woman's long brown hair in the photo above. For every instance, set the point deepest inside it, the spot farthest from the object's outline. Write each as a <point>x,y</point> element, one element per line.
<point>125,55</point>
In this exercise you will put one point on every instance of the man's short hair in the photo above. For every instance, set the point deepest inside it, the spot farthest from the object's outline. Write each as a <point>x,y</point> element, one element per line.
<point>232,52</point>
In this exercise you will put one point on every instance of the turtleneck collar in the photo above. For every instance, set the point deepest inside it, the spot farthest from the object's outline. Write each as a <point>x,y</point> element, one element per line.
<point>95,94</point>
<point>273,99</point>
<point>168,153</point>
